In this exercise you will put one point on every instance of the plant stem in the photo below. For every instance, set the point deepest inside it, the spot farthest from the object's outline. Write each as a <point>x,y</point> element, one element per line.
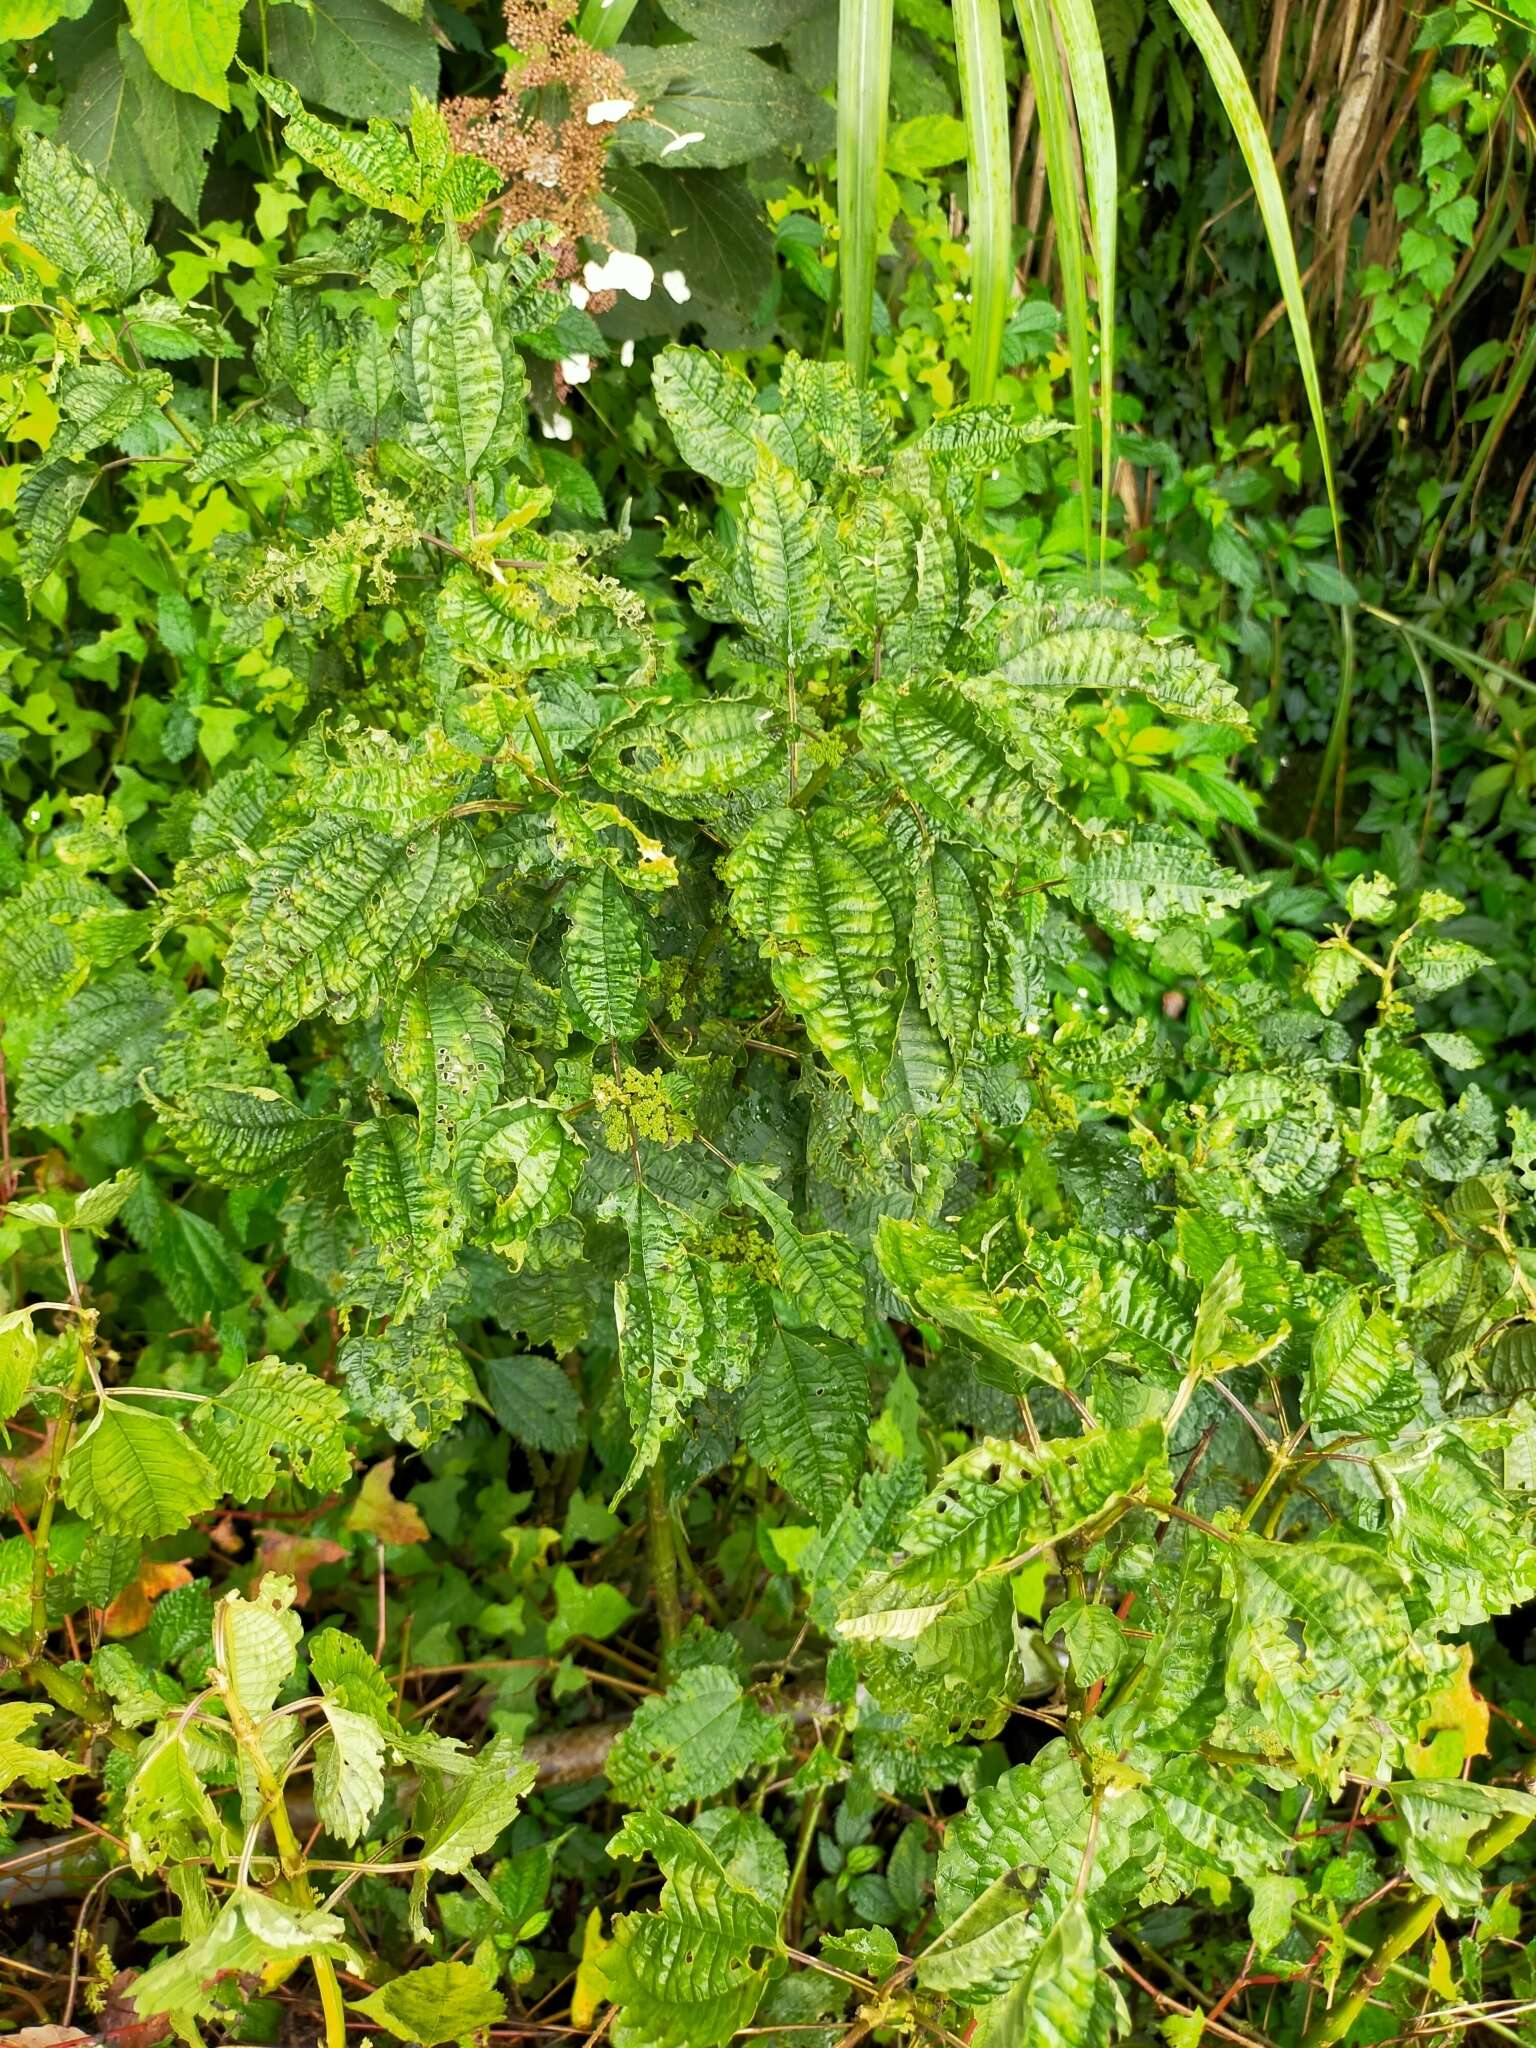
<point>290,1857</point>
<point>85,1336</point>
<point>1407,1929</point>
<point>669,1610</point>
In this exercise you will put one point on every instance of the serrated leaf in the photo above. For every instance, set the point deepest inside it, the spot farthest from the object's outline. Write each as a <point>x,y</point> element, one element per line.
<point>250,1933</point>
<point>1152,880</point>
<point>411,1379</point>
<point>662,1322</point>
<point>814,895</point>
<point>938,747</point>
<point>21,1760</point>
<point>441,2002</point>
<point>90,1062</point>
<point>688,1975</point>
<point>461,1818</point>
<point>949,947</point>
<point>1068,1998</point>
<point>777,586</point>
<point>712,411</point>
<point>349,1773</point>
<point>274,1411</point>
<point>1040,640</point>
<point>699,1737</point>
<point>46,504</point>
<point>533,1399</point>
<point>605,957</point>
<point>339,912</point>
<point>457,377</point>
<point>379,167</point>
<point>86,230</point>
<point>1362,1370</point>
<point>819,1270</point>
<point>446,1047</point>
<point>411,1221</point>
<point>256,1642</point>
<point>941,1280</point>
<point>135,1472</point>
<point>189,43</point>
<point>807,1418</point>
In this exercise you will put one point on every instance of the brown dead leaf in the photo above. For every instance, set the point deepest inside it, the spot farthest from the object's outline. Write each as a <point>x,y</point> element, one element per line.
<point>129,1612</point>
<point>296,1556</point>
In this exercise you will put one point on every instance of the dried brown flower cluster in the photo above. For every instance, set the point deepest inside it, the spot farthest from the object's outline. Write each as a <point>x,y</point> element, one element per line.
<point>535,131</point>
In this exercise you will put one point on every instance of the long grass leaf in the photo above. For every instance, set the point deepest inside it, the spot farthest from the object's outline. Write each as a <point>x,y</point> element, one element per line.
<point>984,102</point>
<point>1037,30</point>
<point>602,22</point>
<point>1101,173</point>
<point>863,99</point>
<point>1242,111</point>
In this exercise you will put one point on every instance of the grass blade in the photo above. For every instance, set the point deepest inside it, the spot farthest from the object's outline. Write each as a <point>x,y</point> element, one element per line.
<point>1242,111</point>
<point>984,102</point>
<point>1101,173</point>
<point>1038,32</point>
<point>602,22</point>
<point>863,98</point>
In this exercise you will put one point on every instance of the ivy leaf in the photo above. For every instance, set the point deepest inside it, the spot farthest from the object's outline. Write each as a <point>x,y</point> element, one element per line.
<point>815,896</point>
<point>806,1418</point>
<point>702,1735</point>
<point>605,959</point>
<point>137,1473</point>
<point>688,1975</point>
<point>339,913</point>
<point>442,2002</point>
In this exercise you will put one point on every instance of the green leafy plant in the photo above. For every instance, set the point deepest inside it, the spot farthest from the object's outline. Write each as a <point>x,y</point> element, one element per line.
<point>755,1111</point>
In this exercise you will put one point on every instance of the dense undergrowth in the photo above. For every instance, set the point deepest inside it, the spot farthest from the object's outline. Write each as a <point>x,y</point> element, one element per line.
<point>759,1283</point>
